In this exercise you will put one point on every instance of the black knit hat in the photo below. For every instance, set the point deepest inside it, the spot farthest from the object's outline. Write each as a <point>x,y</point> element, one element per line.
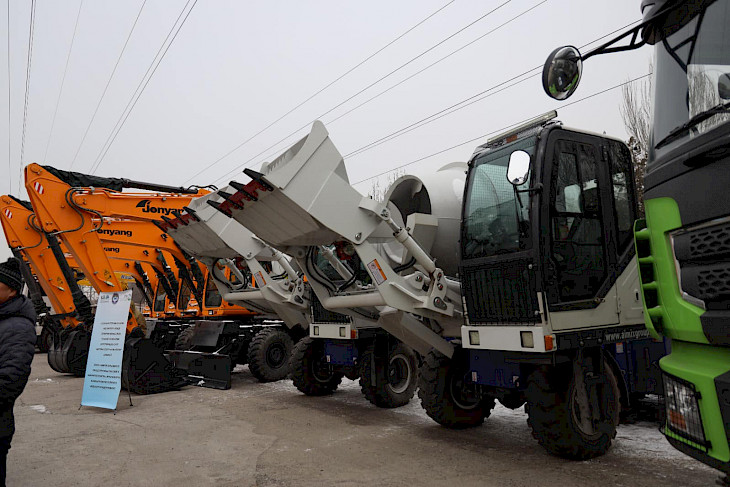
<point>10,274</point>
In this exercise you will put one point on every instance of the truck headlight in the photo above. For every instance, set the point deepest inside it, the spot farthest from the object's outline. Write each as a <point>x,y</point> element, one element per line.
<point>683,410</point>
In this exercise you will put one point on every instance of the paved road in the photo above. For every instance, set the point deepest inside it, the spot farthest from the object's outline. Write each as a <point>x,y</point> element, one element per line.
<point>271,435</point>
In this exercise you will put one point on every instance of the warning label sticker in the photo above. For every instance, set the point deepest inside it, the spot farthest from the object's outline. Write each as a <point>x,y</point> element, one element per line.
<point>377,272</point>
<point>260,279</point>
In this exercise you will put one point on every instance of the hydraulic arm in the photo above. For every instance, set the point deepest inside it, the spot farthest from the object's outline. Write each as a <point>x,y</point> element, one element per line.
<point>75,214</point>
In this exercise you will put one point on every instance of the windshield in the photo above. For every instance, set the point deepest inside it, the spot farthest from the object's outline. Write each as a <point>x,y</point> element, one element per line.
<point>183,299</point>
<point>160,296</point>
<point>213,298</point>
<point>691,75</point>
<point>493,217</point>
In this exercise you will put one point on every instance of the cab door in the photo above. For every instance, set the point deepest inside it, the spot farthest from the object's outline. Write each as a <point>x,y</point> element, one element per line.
<point>579,247</point>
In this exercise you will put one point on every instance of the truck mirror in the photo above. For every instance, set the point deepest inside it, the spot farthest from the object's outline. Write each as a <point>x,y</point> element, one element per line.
<point>519,167</point>
<point>561,73</point>
<point>723,86</point>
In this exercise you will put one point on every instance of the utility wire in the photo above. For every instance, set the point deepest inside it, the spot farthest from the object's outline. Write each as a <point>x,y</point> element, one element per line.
<point>470,24</point>
<point>143,84</point>
<point>468,101</point>
<point>108,82</point>
<point>27,89</point>
<point>606,90</point>
<point>10,166</point>
<point>433,64</point>
<point>63,80</point>
<point>317,93</point>
<point>458,106</point>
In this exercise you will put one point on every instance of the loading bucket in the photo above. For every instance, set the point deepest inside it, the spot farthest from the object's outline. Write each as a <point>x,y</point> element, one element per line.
<point>146,370</point>
<point>203,368</point>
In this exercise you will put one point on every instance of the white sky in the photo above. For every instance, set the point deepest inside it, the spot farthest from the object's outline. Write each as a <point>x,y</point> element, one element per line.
<point>235,67</point>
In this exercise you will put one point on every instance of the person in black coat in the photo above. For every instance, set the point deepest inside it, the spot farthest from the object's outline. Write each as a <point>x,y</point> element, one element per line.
<point>17,346</point>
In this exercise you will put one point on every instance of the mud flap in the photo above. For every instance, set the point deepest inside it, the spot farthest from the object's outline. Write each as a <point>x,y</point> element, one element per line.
<point>146,370</point>
<point>204,369</point>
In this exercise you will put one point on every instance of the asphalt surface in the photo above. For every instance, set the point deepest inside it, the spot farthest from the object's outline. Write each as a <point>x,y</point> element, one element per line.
<point>271,435</point>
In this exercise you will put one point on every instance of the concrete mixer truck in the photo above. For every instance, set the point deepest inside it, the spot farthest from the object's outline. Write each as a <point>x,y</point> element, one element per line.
<point>518,284</point>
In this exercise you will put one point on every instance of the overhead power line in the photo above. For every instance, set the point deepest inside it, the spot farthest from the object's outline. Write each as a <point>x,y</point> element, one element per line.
<point>446,111</point>
<point>470,24</point>
<point>27,89</point>
<point>108,82</point>
<point>318,92</point>
<point>63,81</point>
<point>503,129</point>
<point>504,85</point>
<point>143,84</point>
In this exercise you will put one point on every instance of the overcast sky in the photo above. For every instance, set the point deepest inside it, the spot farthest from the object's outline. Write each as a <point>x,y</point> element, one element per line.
<point>235,67</point>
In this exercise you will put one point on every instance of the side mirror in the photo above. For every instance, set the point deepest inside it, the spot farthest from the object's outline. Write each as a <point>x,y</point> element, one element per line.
<point>723,86</point>
<point>561,73</point>
<point>519,167</point>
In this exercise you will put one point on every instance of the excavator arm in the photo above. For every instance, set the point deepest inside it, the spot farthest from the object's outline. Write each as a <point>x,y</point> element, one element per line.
<point>27,243</point>
<point>77,213</point>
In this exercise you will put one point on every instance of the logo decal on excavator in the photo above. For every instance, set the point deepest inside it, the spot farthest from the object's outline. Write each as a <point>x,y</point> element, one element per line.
<point>111,249</point>
<point>110,232</point>
<point>146,208</point>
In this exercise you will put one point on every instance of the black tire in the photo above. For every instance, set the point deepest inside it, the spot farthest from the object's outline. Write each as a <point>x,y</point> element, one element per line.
<point>184,339</point>
<point>309,372</point>
<point>554,413</point>
<point>444,396</point>
<point>45,339</point>
<point>390,384</point>
<point>269,354</point>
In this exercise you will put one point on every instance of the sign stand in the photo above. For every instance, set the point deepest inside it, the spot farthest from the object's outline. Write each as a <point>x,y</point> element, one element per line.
<point>103,380</point>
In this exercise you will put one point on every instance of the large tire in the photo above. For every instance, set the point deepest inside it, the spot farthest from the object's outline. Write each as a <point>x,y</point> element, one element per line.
<point>309,371</point>
<point>45,340</point>
<point>556,412</point>
<point>185,338</point>
<point>444,395</point>
<point>269,354</point>
<point>390,384</point>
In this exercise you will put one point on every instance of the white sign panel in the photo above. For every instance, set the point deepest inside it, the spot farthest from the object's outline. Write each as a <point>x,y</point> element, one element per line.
<point>103,380</point>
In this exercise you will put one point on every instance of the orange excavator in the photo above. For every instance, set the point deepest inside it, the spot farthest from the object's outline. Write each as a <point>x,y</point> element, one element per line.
<point>74,207</point>
<point>64,333</point>
<point>58,281</point>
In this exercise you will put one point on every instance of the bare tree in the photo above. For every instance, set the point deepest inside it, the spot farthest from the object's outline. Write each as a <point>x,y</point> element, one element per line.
<point>377,192</point>
<point>635,109</point>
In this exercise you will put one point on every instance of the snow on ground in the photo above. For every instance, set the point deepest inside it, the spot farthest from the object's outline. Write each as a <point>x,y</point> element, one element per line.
<point>641,439</point>
<point>39,408</point>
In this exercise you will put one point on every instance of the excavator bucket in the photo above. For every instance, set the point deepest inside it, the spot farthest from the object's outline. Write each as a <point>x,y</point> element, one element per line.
<point>203,368</point>
<point>146,370</point>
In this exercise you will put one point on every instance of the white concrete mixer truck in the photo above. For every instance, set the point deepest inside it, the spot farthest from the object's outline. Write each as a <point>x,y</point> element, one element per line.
<point>517,284</point>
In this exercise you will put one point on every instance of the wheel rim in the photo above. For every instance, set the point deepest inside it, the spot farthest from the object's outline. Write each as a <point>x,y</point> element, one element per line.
<point>321,371</point>
<point>464,397</point>
<point>399,373</point>
<point>580,407</point>
<point>276,355</point>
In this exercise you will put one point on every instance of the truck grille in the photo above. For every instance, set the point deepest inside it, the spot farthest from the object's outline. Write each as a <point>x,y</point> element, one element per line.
<point>703,258</point>
<point>322,315</point>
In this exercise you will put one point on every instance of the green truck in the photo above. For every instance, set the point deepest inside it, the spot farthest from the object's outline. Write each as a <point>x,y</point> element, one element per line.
<point>683,245</point>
